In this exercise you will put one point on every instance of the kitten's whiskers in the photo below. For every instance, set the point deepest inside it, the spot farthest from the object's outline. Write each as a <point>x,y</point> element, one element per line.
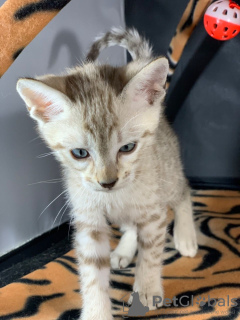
<point>46,181</point>
<point>137,115</point>
<point>46,154</point>
<point>51,203</point>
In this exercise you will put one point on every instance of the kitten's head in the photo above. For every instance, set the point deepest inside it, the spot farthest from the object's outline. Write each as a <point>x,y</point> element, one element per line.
<point>99,119</point>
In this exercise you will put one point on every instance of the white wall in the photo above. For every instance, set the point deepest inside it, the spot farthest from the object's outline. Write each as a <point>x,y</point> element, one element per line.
<point>63,43</point>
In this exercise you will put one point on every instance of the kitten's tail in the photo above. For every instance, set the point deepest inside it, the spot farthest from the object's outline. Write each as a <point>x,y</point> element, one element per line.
<point>129,39</point>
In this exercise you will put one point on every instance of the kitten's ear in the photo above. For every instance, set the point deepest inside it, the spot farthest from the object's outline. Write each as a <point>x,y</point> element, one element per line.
<point>148,84</point>
<point>43,102</point>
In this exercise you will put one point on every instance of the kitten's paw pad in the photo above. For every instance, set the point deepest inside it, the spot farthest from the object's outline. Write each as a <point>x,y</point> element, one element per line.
<point>118,261</point>
<point>148,300</point>
<point>186,242</point>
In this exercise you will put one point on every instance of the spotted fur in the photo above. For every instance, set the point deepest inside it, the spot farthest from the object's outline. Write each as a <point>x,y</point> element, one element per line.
<point>52,291</point>
<point>102,108</point>
<point>129,39</point>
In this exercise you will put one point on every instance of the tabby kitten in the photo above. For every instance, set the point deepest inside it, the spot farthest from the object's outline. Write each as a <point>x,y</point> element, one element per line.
<point>121,163</point>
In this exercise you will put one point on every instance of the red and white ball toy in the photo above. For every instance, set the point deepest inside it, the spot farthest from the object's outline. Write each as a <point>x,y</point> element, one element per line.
<point>222,20</point>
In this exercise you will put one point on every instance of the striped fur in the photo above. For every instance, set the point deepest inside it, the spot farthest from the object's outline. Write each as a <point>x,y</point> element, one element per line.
<point>52,291</point>
<point>100,109</point>
<point>129,39</point>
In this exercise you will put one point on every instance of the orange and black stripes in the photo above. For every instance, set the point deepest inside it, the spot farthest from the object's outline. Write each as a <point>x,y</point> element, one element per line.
<point>190,18</point>
<point>16,16</point>
<point>213,272</point>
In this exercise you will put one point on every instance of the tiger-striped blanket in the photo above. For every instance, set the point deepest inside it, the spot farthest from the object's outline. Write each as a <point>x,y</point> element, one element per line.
<point>209,282</point>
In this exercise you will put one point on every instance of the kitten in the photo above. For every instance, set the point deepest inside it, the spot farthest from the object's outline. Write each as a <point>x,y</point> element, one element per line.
<point>121,163</point>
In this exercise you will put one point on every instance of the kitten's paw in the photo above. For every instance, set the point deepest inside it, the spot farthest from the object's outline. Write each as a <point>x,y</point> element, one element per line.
<point>119,261</point>
<point>186,241</point>
<point>148,299</point>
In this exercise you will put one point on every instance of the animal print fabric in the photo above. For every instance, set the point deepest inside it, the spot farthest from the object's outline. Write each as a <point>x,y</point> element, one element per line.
<point>52,292</point>
<point>190,18</point>
<point>20,22</point>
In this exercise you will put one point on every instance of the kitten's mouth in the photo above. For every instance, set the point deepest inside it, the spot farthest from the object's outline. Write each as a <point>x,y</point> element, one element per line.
<point>108,190</point>
<point>105,190</point>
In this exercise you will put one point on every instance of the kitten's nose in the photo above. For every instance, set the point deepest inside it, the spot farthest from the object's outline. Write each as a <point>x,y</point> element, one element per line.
<point>108,185</point>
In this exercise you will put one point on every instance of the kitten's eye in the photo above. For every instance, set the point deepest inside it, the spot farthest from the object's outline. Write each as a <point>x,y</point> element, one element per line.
<point>80,153</point>
<point>128,147</point>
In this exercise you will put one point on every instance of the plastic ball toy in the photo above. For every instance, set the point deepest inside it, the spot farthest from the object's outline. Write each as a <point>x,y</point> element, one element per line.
<point>222,20</point>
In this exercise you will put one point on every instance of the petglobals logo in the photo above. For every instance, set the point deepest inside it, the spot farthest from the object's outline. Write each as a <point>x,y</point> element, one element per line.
<point>186,301</point>
<point>138,309</point>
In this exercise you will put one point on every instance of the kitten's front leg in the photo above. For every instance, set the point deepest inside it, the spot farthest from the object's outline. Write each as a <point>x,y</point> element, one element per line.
<point>151,240</point>
<point>93,253</point>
